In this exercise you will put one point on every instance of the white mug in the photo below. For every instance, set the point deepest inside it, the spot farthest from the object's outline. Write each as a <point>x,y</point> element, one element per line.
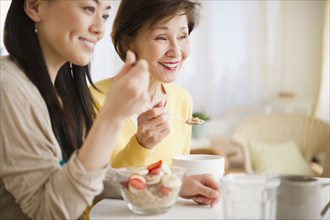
<point>300,198</point>
<point>201,164</point>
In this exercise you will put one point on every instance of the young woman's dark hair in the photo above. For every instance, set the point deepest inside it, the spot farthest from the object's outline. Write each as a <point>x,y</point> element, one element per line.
<point>72,115</point>
<point>132,15</point>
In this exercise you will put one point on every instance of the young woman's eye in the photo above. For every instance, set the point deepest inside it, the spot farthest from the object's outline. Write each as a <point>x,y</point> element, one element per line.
<point>105,17</point>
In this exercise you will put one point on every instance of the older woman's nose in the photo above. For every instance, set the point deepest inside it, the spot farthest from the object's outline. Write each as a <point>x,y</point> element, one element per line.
<point>174,50</point>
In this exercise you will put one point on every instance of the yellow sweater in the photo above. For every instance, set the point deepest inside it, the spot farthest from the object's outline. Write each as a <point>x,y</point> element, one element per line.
<point>128,152</point>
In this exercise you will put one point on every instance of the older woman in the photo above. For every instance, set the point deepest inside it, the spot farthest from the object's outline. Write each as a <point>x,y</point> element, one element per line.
<point>157,31</point>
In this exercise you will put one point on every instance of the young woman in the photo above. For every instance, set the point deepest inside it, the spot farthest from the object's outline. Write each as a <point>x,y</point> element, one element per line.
<point>53,161</point>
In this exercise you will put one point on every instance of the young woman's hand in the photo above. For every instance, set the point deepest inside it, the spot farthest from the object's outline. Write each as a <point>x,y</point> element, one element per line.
<point>128,92</point>
<point>203,189</point>
<point>129,89</point>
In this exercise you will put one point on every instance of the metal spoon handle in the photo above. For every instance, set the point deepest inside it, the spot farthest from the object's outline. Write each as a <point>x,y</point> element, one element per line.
<point>190,121</point>
<point>178,117</point>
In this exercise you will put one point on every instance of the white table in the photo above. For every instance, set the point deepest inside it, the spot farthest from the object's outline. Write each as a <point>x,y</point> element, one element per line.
<point>183,209</point>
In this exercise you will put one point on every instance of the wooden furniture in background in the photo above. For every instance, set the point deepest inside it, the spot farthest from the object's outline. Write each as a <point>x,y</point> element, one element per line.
<point>310,134</point>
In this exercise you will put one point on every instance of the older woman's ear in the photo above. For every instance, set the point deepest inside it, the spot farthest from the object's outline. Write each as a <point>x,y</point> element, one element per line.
<point>128,43</point>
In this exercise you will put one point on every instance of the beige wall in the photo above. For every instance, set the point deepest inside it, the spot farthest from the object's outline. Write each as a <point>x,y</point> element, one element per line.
<point>302,34</point>
<point>323,107</point>
<point>298,61</point>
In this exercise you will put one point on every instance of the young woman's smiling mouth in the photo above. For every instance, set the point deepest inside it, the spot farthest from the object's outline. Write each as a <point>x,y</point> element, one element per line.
<point>89,44</point>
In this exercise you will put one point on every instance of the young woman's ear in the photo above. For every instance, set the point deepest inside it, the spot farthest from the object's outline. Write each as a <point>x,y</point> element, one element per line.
<point>32,9</point>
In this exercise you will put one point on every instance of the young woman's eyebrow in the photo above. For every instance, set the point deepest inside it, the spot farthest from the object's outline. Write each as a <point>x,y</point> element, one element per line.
<point>98,2</point>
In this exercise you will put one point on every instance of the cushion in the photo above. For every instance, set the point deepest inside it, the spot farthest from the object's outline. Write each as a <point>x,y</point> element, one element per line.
<point>281,158</point>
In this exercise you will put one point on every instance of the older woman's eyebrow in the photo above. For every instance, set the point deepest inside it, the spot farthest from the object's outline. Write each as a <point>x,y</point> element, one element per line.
<point>98,2</point>
<point>166,28</point>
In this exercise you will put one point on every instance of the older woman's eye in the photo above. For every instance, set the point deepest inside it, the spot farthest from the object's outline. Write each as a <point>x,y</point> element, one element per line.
<point>160,38</point>
<point>184,36</point>
<point>90,8</point>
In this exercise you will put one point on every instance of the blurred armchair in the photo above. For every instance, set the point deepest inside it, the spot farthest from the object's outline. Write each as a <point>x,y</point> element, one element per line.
<point>310,135</point>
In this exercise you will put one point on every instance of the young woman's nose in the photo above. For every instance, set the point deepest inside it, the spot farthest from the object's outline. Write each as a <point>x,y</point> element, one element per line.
<point>97,27</point>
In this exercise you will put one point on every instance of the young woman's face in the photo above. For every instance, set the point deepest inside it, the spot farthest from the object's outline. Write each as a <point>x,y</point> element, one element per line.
<point>69,30</point>
<point>165,46</point>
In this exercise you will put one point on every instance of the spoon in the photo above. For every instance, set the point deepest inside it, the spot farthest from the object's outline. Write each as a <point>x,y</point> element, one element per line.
<point>195,121</point>
<point>191,121</point>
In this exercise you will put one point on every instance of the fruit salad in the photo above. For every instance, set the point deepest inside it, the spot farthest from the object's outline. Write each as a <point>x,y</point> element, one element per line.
<point>151,187</point>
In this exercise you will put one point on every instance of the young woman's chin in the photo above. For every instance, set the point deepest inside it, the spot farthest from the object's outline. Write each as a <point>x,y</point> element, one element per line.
<point>82,61</point>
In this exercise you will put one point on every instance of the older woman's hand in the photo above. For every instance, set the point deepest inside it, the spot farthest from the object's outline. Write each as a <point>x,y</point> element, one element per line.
<point>153,126</point>
<point>203,189</point>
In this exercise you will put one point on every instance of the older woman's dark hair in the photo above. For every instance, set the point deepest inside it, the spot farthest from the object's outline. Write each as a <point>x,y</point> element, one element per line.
<point>133,14</point>
<point>72,119</point>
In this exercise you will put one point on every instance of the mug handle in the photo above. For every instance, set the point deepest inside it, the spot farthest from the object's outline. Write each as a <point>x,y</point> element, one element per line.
<point>327,206</point>
<point>325,209</point>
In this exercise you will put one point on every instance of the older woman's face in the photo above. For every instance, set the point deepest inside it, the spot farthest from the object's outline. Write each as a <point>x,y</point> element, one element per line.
<point>165,46</point>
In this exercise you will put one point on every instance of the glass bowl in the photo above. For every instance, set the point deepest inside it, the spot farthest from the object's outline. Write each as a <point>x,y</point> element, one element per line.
<point>150,193</point>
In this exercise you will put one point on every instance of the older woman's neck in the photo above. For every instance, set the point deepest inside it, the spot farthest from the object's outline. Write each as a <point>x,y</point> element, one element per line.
<point>157,92</point>
<point>154,87</point>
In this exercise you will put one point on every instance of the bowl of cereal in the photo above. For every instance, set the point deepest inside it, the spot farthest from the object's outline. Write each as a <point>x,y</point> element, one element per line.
<point>150,190</point>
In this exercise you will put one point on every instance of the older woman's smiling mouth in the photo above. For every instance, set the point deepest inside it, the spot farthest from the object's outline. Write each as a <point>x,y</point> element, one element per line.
<point>169,65</point>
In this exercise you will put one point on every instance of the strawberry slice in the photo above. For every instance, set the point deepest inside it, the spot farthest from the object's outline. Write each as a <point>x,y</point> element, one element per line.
<point>155,171</point>
<point>124,184</point>
<point>165,191</point>
<point>154,168</point>
<point>137,182</point>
